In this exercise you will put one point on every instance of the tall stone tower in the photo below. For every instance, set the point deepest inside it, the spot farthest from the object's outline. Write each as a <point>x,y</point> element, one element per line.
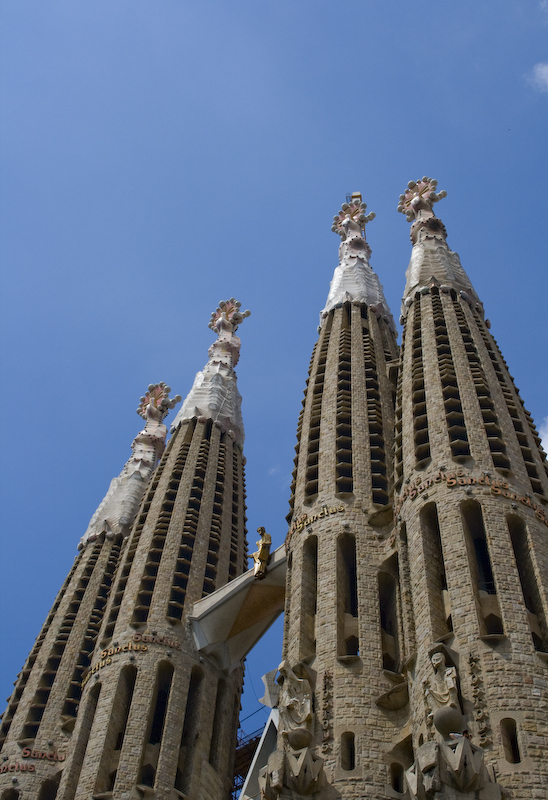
<point>472,523</point>
<point>154,718</point>
<point>415,645</point>
<point>38,723</point>
<point>342,659</point>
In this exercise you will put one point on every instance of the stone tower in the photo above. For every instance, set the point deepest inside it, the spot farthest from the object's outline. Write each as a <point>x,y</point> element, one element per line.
<point>38,724</point>
<point>342,690</point>
<point>415,643</point>
<point>154,719</point>
<point>472,522</point>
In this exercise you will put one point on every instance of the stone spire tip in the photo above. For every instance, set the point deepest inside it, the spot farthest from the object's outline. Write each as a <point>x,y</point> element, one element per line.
<point>227,314</point>
<point>419,198</point>
<point>157,402</point>
<point>352,212</point>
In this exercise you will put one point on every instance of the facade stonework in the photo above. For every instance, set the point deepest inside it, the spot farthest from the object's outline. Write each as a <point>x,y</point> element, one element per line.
<point>415,654</point>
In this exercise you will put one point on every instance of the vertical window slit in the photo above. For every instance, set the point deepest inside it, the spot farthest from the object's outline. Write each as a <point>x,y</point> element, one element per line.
<point>313,448</point>
<point>190,731</point>
<point>309,596</point>
<point>454,416</point>
<point>388,608</point>
<point>420,418</point>
<point>528,580</point>
<point>379,480</point>
<point>343,441</point>
<point>480,566</point>
<point>347,588</point>
<point>436,579</point>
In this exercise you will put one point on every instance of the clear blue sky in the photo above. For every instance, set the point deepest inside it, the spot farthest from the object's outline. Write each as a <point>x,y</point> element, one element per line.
<point>160,155</point>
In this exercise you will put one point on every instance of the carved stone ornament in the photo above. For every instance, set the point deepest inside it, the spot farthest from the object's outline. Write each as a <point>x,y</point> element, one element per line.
<point>215,394</point>
<point>354,281</point>
<point>121,503</point>
<point>262,556</point>
<point>295,707</point>
<point>293,770</point>
<point>442,696</point>
<point>453,769</point>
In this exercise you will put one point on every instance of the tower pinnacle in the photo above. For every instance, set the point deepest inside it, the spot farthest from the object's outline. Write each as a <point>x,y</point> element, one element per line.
<point>119,506</point>
<point>432,262</point>
<point>354,281</point>
<point>214,394</point>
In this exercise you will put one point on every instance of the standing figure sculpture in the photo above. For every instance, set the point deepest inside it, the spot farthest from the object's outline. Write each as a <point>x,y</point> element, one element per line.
<point>442,697</point>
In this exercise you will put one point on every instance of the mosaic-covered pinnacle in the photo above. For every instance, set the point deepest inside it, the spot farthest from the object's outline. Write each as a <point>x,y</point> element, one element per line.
<point>117,511</point>
<point>157,402</point>
<point>419,197</point>
<point>432,262</point>
<point>353,280</point>
<point>214,394</point>
<point>227,313</point>
<point>354,212</point>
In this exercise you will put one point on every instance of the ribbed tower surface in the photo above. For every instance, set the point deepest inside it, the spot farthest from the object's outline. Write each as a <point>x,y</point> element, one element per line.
<point>339,545</point>
<point>38,725</point>
<point>154,718</point>
<point>472,519</point>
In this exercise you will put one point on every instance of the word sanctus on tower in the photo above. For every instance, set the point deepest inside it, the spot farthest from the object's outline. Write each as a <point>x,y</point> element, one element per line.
<point>414,575</point>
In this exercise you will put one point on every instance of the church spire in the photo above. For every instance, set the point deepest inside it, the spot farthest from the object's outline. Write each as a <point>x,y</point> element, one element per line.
<point>214,394</point>
<point>354,281</point>
<point>119,506</point>
<point>432,262</point>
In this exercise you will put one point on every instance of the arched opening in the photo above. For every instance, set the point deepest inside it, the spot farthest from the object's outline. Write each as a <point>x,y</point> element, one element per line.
<point>309,596</point>
<point>397,777</point>
<point>190,731</point>
<point>48,790</point>
<point>347,589</point>
<point>481,570</point>
<point>528,580</point>
<point>436,579</point>
<point>158,708</point>
<point>348,751</point>
<point>388,610</point>
<point>510,744</point>
<point>116,729</point>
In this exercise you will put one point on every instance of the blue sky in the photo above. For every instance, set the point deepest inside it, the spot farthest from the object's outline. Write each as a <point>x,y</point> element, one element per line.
<point>160,155</point>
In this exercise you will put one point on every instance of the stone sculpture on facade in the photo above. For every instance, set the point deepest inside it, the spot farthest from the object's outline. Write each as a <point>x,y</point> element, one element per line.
<point>293,770</point>
<point>117,511</point>
<point>262,556</point>
<point>442,696</point>
<point>451,766</point>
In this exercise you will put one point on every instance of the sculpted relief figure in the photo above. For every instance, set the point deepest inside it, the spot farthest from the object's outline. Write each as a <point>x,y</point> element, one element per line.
<point>262,556</point>
<point>295,706</point>
<point>442,696</point>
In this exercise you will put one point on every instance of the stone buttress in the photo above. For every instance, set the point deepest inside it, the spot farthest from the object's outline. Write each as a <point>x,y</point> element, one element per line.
<point>472,519</point>
<point>343,699</point>
<point>37,727</point>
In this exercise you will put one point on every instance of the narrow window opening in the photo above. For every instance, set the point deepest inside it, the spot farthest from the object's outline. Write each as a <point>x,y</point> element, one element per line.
<point>528,580</point>
<point>510,744</point>
<point>438,596</point>
<point>116,725</point>
<point>190,731</point>
<point>397,780</point>
<point>481,570</point>
<point>148,775</point>
<point>49,788</point>
<point>388,608</point>
<point>347,588</point>
<point>348,751</point>
<point>309,597</point>
<point>215,750</point>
